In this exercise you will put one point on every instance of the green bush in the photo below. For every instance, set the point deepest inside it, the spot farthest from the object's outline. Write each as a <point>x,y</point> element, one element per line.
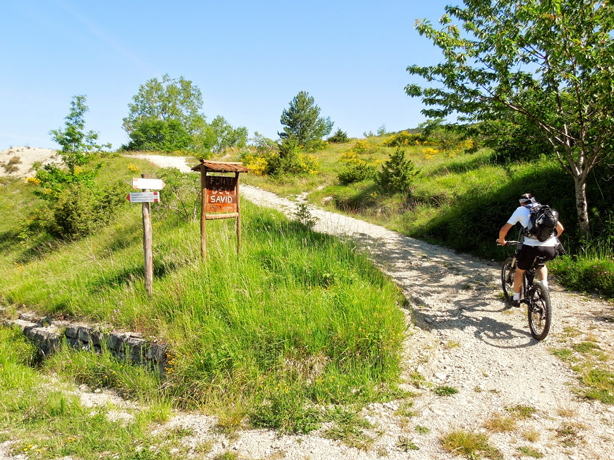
<point>340,137</point>
<point>181,195</point>
<point>356,169</point>
<point>397,174</point>
<point>290,161</point>
<point>586,274</point>
<point>81,209</point>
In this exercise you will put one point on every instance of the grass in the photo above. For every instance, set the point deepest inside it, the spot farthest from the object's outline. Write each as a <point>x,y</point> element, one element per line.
<point>591,364</point>
<point>445,391</point>
<point>349,428</point>
<point>500,424</point>
<point>297,321</point>
<point>528,451</point>
<point>47,420</point>
<point>470,444</point>
<point>406,445</point>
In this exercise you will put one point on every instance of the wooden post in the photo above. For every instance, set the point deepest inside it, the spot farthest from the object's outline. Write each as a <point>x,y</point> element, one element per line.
<point>239,213</point>
<point>203,214</point>
<point>148,244</point>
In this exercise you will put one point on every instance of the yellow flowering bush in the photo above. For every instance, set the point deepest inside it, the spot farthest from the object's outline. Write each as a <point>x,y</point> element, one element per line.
<point>429,153</point>
<point>33,180</point>
<point>257,165</point>
<point>403,138</point>
<point>132,167</point>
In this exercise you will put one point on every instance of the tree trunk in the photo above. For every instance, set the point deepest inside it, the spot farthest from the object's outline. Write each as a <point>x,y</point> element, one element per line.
<point>581,205</point>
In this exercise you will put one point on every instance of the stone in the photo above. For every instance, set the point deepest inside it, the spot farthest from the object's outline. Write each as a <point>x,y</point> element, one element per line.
<point>84,334</point>
<point>72,331</point>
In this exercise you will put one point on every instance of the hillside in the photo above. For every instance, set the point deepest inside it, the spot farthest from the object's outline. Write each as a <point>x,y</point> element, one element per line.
<point>467,363</point>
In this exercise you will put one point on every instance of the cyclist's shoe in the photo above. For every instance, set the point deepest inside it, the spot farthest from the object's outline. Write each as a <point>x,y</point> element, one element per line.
<point>515,303</point>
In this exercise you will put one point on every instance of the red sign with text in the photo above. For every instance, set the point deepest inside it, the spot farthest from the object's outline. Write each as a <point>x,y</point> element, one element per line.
<point>221,194</point>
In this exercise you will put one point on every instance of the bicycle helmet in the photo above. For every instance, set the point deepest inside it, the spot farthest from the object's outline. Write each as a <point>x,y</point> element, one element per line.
<point>527,198</point>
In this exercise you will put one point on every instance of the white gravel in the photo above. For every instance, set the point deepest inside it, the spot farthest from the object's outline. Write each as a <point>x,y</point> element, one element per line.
<point>461,336</point>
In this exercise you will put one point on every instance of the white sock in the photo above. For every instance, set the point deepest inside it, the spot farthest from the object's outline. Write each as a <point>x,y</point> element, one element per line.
<point>545,283</point>
<point>516,295</point>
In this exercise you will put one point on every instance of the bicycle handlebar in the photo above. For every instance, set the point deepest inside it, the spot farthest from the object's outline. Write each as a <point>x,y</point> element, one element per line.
<point>510,243</point>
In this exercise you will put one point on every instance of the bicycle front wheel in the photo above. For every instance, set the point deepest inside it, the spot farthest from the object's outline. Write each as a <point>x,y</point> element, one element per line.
<point>507,279</point>
<point>539,311</point>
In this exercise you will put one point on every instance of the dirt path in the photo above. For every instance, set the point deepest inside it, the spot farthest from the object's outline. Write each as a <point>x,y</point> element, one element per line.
<point>463,337</point>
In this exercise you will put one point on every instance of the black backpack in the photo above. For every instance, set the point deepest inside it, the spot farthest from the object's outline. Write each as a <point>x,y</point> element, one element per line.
<point>543,222</point>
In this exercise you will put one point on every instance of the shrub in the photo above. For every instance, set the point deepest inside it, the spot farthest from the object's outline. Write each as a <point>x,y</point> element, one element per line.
<point>80,210</point>
<point>11,165</point>
<point>340,137</point>
<point>397,173</point>
<point>356,169</point>
<point>257,164</point>
<point>182,194</point>
<point>290,160</point>
<point>403,138</point>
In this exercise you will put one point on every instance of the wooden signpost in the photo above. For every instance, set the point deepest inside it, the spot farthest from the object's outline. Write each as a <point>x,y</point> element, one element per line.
<point>147,197</point>
<point>220,196</point>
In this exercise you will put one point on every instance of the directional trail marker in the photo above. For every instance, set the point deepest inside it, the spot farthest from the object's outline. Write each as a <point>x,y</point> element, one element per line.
<point>145,183</point>
<point>143,197</point>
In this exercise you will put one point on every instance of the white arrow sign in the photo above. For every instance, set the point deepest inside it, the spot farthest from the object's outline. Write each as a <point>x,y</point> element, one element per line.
<point>143,197</point>
<point>152,184</point>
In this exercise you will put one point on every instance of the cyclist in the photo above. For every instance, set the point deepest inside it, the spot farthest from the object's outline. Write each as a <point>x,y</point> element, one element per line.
<point>531,247</point>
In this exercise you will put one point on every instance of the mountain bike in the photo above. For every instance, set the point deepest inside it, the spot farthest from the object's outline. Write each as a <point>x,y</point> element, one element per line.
<point>533,294</point>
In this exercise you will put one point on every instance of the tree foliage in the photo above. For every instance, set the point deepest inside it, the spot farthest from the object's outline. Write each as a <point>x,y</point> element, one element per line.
<point>549,61</point>
<point>221,135</point>
<point>77,145</point>
<point>170,99</point>
<point>166,115</point>
<point>164,135</point>
<point>397,174</point>
<point>302,122</point>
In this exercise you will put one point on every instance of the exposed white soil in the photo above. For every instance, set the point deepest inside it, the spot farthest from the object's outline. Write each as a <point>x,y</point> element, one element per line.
<point>461,335</point>
<point>26,158</point>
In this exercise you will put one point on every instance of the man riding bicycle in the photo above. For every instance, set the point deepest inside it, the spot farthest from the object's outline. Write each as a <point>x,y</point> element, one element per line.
<point>531,247</point>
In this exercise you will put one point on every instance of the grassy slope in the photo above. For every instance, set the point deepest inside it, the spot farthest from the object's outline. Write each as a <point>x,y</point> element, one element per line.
<point>460,200</point>
<point>297,317</point>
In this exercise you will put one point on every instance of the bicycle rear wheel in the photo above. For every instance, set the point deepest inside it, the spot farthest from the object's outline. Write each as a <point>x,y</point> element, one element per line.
<point>507,279</point>
<point>540,311</point>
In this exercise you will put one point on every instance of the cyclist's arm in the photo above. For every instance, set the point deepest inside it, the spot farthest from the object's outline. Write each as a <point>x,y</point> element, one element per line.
<point>559,228</point>
<point>503,233</point>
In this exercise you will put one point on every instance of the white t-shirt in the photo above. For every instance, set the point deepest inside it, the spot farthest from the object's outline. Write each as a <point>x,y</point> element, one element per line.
<point>522,214</point>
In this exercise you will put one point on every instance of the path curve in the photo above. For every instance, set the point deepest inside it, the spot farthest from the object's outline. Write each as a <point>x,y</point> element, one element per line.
<point>462,336</point>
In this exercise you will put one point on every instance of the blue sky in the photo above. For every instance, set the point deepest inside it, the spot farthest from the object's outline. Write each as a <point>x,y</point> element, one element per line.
<point>248,58</point>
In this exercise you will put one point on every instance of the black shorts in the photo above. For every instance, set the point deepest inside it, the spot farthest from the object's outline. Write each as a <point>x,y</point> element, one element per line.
<point>527,255</point>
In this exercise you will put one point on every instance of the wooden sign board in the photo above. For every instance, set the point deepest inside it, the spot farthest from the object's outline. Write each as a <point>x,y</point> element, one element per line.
<point>221,194</point>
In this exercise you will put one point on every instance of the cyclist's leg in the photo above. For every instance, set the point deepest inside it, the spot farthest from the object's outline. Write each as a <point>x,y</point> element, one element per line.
<point>518,276</point>
<point>546,253</point>
<point>524,259</point>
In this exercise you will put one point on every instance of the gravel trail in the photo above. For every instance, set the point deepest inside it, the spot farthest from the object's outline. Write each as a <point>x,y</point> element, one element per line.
<point>462,336</point>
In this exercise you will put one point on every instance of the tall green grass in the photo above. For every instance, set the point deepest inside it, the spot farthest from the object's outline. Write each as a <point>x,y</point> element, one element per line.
<point>297,320</point>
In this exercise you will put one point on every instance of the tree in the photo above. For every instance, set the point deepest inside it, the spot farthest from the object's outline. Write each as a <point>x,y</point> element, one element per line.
<point>166,100</point>
<point>549,60</point>
<point>77,145</point>
<point>164,135</point>
<point>302,122</point>
<point>223,136</point>
<point>397,174</point>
